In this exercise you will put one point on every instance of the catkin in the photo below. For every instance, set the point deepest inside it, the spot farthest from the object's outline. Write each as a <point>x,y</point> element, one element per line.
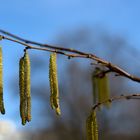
<point>24,85</point>
<point>95,126</point>
<point>51,84</point>
<point>2,110</point>
<point>101,91</point>
<point>22,88</point>
<point>89,124</point>
<point>95,83</point>
<point>54,91</point>
<point>91,127</point>
<point>106,91</point>
<point>27,86</point>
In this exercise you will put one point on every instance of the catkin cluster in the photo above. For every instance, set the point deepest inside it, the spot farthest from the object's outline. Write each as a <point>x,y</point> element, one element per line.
<point>100,87</point>
<point>91,127</point>
<point>2,110</point>
<point>24,87</point>
<point>54,91</point>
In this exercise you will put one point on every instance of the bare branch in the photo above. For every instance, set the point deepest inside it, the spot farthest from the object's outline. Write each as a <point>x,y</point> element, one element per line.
<point>115,98</point>
<point>39,48</point>
<point>70,53</point>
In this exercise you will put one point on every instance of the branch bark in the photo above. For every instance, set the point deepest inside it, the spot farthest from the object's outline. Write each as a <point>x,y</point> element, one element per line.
<point>71,53</point>
<point>115,98</point>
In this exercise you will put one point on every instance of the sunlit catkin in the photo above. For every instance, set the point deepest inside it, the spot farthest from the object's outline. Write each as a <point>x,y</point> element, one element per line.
<point>2,110</point>
<point>51,85</point>
<point>91,127</point>
<point>27,86</point>
<point>54,91</point>
<point>22,89</point>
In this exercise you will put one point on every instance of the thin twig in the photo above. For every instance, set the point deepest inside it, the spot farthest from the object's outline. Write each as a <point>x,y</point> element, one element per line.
<point>39,48</point>
<point>40,44</point>
<point>70,53</point>
<point>127,97</point>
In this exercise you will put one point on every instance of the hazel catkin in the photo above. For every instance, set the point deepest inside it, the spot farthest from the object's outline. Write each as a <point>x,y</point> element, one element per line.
<point>24,86</point>
<point>22,89</point>
<point>101,90</point>
<point>91,127</point>
<point>27,86</point>
<point>54,91</point>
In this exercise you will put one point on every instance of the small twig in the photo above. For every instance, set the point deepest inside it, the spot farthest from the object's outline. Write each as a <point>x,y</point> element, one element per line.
<point>127,97</point>
<point>70,53</point>
<point>38,48</point>
<point>40,44</point>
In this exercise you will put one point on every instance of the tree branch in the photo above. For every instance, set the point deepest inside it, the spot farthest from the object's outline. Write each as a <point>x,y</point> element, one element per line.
<point>127,97</point>
<point>39,48</point>
<point>68,52</point>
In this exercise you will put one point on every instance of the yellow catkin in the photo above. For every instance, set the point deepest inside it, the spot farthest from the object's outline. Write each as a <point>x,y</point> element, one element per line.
<point>95,126</point>
<point>54,97</point>
<point>54,79</point>
<point>106,89</point>
<point>51,85</point>
<point>100,90</point>
<point>96,86</point>
<point>2,110</point>
<point>27,86</point>
<point>103,89</point>
<point>22,88</point>
<point>24,85</point>
<point>91,127</point>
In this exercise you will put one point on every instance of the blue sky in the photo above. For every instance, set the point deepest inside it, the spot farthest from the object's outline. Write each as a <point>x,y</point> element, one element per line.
<point>44,16</point>
<point>43,20</point>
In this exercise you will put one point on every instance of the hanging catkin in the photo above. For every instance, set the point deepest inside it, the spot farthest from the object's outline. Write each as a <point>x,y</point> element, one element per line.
<point>22,89</point>
<point>27,86</point>
<point>51,84</point>
<point>54,91</point>
<point>100,86</point>
<point>104,92</point>
<point>2,110</point>
<point>24,85</point>
<point>91,127</point>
